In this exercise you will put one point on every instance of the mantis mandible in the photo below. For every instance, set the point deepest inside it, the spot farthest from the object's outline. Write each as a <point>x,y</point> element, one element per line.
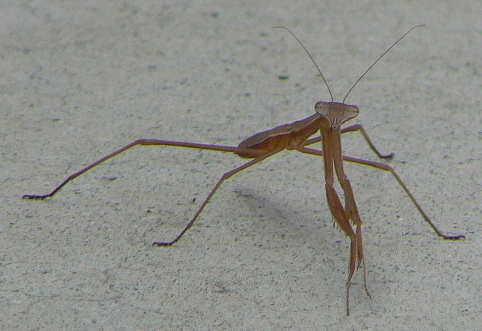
<point>328,118</point>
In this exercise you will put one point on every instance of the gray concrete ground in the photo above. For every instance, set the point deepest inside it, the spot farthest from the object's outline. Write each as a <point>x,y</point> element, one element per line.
<point>80,79</point>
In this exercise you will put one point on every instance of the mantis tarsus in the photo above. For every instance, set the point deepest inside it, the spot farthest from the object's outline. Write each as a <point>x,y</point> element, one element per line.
<point>328,118</point>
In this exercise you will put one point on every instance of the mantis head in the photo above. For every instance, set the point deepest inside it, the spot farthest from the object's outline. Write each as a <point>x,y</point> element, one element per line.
<point>336,113</point>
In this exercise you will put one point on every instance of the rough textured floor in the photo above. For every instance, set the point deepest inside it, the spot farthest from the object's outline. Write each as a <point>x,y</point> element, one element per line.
<point>80,79</point>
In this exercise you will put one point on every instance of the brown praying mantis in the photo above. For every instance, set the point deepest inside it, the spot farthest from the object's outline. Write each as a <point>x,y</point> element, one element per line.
<point>328,118</point>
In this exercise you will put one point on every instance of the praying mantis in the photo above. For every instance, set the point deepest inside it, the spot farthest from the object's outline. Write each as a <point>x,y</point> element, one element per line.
<point>328,119</point>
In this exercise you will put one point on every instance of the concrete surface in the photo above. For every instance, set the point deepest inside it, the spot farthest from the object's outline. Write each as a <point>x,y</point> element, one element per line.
<point>80,79</point>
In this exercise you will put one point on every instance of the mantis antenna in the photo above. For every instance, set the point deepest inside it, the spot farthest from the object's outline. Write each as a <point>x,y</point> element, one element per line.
<point>366,71</point>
